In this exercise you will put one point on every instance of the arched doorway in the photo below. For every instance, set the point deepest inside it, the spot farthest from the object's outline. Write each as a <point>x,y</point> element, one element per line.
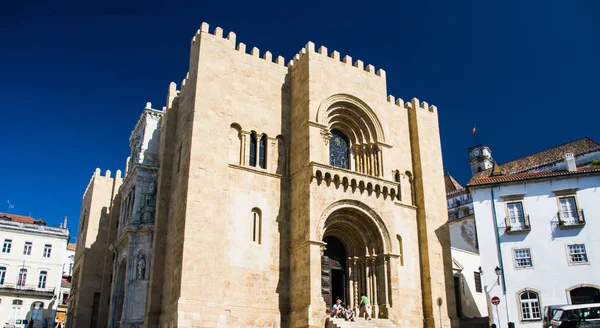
<point>333,272</point>
<point>355,260</point>
<point>583,295</point>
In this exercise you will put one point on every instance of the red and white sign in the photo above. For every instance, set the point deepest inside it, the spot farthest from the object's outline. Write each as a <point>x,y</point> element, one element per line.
<point>495,300</point>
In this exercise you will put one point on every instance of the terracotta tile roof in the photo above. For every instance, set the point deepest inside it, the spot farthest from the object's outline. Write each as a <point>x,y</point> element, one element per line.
<point>19,218</point>
<point>72,247</point>
<point>529,176</point>
<point>451,184</point>
<point>551,155</point>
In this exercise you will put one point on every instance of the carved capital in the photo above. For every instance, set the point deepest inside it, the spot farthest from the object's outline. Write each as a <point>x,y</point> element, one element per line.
<point>326,135</point>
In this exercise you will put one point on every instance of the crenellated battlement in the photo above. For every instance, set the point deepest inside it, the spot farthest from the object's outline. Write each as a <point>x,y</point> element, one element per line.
<point>414,103</point>
<point>335,55</point>
<point>241,47</point>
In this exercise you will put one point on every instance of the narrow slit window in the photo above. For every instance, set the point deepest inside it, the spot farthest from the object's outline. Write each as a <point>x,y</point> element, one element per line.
<point>262,152</point>
<point>252,161</point>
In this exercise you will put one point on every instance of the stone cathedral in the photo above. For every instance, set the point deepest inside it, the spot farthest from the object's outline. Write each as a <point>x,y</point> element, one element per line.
<point>262,192</point>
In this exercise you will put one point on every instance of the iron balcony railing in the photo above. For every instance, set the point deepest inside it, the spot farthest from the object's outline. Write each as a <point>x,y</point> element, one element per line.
<point>26,289</point>
<point>571,219</point>
<point>521,227</point>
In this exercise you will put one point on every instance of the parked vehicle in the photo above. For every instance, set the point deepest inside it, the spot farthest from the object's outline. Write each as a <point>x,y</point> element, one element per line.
<point>577,316</point>
<point>548,314</point>
<point>16,323</point>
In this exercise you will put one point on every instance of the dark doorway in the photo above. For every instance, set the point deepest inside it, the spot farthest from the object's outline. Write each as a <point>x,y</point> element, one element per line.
<point>583,295</point>
<point>458,296</point>
<point>333,272</point>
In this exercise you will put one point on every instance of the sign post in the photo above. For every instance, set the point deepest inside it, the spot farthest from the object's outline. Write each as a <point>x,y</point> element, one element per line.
<point>495,301</point>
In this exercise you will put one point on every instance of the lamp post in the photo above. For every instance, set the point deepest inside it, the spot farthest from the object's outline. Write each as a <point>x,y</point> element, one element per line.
<point>498,273</point>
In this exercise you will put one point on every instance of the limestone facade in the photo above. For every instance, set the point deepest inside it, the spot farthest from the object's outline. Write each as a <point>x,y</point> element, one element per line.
<point>84,301</point>
<point>135,225</point>
<point>281,187</point>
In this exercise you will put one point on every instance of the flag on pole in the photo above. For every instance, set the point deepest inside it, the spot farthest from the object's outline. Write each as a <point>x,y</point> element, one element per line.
<point>474,128</point>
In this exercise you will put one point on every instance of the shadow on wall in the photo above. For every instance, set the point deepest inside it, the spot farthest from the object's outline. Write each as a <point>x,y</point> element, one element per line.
<point>283,220</point>
<point>443,236</point>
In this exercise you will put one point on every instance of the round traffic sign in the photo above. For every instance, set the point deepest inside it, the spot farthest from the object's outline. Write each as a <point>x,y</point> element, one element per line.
<point>495,300</point>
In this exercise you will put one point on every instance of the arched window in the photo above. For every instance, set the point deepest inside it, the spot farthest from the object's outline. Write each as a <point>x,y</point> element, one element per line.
<point>22,277</point>
<point>530,306</point>
<point>339,150</point>
<point>252,161</point>
<point>256,225</point>
<point>42,279</point>
<point>37,311</point>
<point>2,275</point>
<point>262,152</point>
<point>400,249</point>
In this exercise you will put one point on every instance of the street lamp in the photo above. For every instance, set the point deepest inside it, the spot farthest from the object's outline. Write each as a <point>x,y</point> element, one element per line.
<point>498,273</point>
<point>480,270</point>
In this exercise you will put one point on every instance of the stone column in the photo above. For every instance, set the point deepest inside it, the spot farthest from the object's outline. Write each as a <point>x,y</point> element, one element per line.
<point>375,286</point>
<point>385,287</point>
<point>350,300</point>
<point>355,291</point>
<point>245,148</point>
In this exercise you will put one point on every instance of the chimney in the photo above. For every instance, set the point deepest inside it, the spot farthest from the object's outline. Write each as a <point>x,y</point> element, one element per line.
<point>64,224</point>
<point>570,160</point>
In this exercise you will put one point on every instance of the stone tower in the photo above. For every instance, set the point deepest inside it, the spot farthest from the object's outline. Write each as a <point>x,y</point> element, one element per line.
<point>94,227</point>
<point>282,187</point>
<point>480,158</point>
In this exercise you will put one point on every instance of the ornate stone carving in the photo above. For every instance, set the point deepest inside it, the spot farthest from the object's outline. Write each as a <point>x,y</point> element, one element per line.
<point>141,268</point>
<point>326,135</point>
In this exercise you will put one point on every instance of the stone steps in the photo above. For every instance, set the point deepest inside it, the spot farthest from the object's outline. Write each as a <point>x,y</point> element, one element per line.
<point>359,323</point>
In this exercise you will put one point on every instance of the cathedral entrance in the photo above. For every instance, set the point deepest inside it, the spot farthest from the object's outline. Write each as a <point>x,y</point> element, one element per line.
<point>333,272</point>
<point>355,258</point>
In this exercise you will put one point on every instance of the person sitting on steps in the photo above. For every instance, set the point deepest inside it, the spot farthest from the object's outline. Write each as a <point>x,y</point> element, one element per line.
<point>337,310</point>
<point>350,313</point>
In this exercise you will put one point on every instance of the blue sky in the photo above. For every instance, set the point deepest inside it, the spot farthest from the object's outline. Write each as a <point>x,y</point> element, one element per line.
<point>75,75</point>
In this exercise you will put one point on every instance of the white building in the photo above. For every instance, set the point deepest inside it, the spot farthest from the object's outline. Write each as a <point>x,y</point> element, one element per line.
<point>65,288</point>
<point>537,221</point>
<point>470,299</point>
<point>31,261</point>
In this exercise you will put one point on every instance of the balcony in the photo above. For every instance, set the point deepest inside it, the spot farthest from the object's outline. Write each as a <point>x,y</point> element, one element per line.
<point>521,227</point>
<point>571,219</point>
<point>31,290</point>
<point>355,182</point>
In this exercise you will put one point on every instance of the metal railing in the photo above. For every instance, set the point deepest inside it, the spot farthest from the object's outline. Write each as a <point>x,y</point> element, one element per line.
<point>27,289</point>
<point>523,227</point>
<point>569,219</point>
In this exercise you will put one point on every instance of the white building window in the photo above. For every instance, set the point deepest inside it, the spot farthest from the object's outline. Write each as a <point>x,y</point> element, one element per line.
<point>22,277</point>
<point>2,275</point>
<point>516,215</point>
<point>523,258</point>
<point>530,306</point>
<point>7,245</point>
<point>42,279</point>
<point>577,254</point>
<point>47,250</point>
<point>27,248</point>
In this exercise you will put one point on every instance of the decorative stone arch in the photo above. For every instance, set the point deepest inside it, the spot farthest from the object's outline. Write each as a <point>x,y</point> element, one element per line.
<point>584,285</point>
<point>236,144</point>
<point>361,131</point>
<point>367,245</point>
<point>368,218</point>
<point>329,114</point>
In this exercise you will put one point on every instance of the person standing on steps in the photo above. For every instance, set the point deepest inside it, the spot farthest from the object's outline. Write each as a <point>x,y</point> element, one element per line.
<point>365,307</point>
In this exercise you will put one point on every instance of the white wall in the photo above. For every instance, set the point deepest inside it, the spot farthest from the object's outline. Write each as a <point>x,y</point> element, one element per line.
<point>473,302</point>
<point>34,263</point>
<point>551,274</point>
